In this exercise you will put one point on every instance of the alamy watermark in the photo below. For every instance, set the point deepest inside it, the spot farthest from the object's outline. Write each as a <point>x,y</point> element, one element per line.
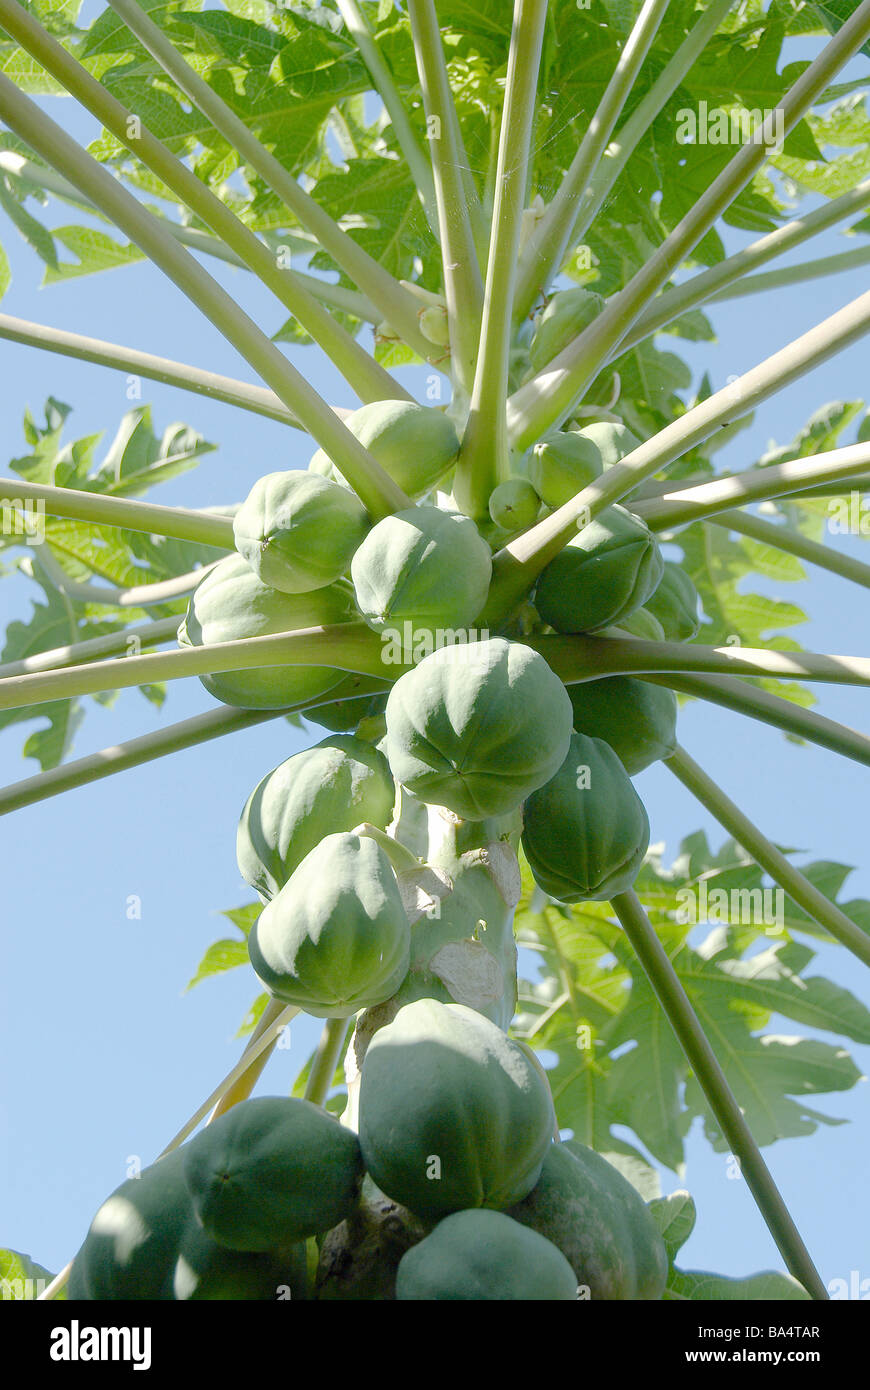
<point>411,643</point>
<point>742,906</point>
<point>23,516</point>
<point>849,516</point>
<point>738,126</point>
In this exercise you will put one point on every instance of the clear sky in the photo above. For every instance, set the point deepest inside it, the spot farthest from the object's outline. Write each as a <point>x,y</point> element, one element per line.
<point>104,1055</point>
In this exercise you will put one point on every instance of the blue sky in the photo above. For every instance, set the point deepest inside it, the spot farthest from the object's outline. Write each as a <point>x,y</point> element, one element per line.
<point>105,1055</point>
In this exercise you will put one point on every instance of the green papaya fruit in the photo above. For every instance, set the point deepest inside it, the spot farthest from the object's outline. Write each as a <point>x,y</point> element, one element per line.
<point>609,569</point>
<point>452,1113</point>
<point>336,785</point>
<point>145,1244</point>
<point>483,1256</point>
<point>640,623</point>
<point>435,326</point>
<point>230,603</point>
<point>586,832</point>
<point>271,1172</point>
<point>675,603</point>
<point>637,720</point>
<point>298,531</point>
<point>514,504</point>
<point>336,938</point>
<point>354,704</point>
<point>561,465</point>
<point>205,1271</point>
<point>415,444</point>
<point>565,317</point>
<point>425,568</point>
<point>477,727</point>
<point>612,439</point>
<point>600,1223</point>
<point>131,1245</point>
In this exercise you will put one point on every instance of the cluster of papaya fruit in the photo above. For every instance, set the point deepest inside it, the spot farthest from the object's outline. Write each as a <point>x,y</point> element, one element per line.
<point>453,1189</point>
<point>387,861</point>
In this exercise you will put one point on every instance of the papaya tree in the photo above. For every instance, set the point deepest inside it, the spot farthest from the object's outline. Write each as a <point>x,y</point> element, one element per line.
<point>483,604</point>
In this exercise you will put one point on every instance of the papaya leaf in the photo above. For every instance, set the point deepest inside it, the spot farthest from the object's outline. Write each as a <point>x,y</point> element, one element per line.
<point>675,1216</point>
<point>221,955</point>
<point>617,1062</point>
<point>834,13</point>
<point>21,1278</point>
<point>770,1286</point>
<point>93,250</point>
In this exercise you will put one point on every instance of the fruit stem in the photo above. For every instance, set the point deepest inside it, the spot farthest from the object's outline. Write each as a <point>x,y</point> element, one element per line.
<point>400,857</point>
<point>518,564</point>
<point>794,543</point>
<point>463,287</point>
<point>345,646</point>
<point>339,296</point>
<point>725,280</point>
<point>628,137</point>
<point>771,709</point>
<point>484,458</point>
<point>415,157</point>
<point>546,401</point>
<point>552,236</point>
<point>326,1059</point>
<point>578,658</point>
<point>247,1080</point>
<point>364,375</point>
<point>394,304</point>
<point>729,1117</point>
<point>120,358</point>
<point>375,488</point>
<point>180,522</point>
<point>146,635</point>
<point>790,879</point>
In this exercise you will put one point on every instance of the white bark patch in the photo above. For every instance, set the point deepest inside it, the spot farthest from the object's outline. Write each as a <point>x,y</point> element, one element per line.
<point>421,890</point>
<point>504,869</point>
<point>469,972</point>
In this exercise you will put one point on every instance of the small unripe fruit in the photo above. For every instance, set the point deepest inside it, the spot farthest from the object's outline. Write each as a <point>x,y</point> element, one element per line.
<point>514,504</point>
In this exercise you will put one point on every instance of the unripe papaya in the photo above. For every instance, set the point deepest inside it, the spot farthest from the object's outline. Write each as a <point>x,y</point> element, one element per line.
<point>483,1256</point>
<point>424,567</point>
<point>206,1271</point>
<point>477,727</point>
<point>452,1113</point>
<point>298,530</point>
<point>344,714</point>
<point>610,568</point>
<point>612,439</point>
<point>637,719</point>
<point>675,604</point>
<point>415,444</point>
<point>600,1223</point>
<point>435,326</point>
<point>130,1248</point>
<point>640,623</point>
<point>335,786</point>
<point>514,504</point>
<point>586,832</point>
<point>336,938</point>
<point>231,602</point>
<point>271,1172</point>
<point>146,1244</point>
<point>561,464</point>
<point>565,317</point>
